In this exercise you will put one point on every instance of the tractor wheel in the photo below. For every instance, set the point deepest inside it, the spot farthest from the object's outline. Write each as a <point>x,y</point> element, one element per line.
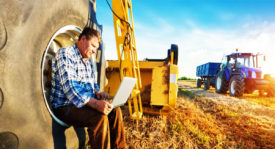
<point>248,91</point>
<point>199,83</point>
<point>30,32</point>
<point>236,86</point>
<point>271,91</point>
<point>261,93</point>
<point>174,48</point>
<point>221,84</point>
<point>207,84</point>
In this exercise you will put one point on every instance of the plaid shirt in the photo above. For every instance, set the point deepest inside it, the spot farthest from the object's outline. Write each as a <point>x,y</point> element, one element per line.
<point>73,79</point>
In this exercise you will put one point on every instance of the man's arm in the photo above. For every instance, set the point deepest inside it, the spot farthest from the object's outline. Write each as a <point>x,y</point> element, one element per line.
<point>102,95</point>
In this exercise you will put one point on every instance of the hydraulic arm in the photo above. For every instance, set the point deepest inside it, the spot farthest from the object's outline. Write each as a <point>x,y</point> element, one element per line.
<point>126,51</point>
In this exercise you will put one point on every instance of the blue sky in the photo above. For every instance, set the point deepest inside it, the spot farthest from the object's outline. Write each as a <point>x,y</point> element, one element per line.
<point>204,30</point>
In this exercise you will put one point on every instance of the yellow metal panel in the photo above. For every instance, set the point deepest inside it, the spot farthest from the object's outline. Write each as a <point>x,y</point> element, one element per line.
<point>142,64</point>
<point>159,87</point>
<point>173,87</point>
<point>113,82</point>
<point>150,64</point>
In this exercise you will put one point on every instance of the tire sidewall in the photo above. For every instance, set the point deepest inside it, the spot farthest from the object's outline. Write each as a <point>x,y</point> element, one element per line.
<point>218,83</point>
<point>21,83</point>
<point>206,84</point>
<point>199,83</point>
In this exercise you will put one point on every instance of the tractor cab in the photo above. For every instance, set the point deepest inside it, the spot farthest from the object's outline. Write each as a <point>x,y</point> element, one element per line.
<point>247,63</point>
<point>239,60</point>
<point>248,60</point>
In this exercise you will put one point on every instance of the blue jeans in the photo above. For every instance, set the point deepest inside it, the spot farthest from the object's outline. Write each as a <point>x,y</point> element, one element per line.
<point>59,138</point>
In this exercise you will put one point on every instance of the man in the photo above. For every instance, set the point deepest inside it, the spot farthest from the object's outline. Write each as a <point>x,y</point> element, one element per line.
<point>76,97</point>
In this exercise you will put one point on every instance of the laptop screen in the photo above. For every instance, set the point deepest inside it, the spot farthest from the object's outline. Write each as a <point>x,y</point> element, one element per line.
<point>124,91</point>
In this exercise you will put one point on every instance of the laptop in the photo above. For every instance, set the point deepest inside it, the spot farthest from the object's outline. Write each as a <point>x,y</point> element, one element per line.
<point>124,91</point>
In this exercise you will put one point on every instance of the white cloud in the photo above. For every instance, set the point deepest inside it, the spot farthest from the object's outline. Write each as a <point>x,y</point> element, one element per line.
<point>197,46</point>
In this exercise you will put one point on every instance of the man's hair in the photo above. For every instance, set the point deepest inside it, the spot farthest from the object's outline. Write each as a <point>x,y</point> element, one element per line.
<point>89,32</point>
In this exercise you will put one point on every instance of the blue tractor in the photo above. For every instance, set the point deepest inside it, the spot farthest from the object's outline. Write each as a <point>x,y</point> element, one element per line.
<point>240,73</point>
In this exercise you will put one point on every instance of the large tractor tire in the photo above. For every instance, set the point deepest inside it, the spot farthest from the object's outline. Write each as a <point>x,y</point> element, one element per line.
<point>221,83</point>
<point>206,84</point>
<point>271,92</point>
<point>199,83</point>
<point>26,29</point>
<point>271,89</point>
<point>174,48</point>
<point>236,86</point>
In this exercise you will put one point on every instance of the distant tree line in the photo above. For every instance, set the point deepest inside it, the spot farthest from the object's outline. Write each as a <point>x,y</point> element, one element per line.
<point>186,78</point>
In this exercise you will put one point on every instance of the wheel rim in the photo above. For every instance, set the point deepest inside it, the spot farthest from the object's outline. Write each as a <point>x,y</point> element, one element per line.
<point>219,83</point>
<point>65,36</point>
<point>232,87</point>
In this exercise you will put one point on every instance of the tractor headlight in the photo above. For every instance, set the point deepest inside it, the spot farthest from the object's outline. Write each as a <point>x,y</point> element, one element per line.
<point>254,74</point>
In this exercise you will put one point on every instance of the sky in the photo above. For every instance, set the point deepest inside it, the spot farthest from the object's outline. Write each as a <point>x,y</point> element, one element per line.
<point>204,30</point>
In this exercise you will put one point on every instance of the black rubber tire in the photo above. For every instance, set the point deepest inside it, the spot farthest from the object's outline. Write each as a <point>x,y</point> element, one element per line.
<point>206,84</point>
<point>174,48</point>
<point>236,86</point>
<point>261,93</point>
<point>222,86</point>
<point>271,93</point>
<point>30,24</point>
<point>271,80</point>
<point>248,91</point>
<point>199,83</point>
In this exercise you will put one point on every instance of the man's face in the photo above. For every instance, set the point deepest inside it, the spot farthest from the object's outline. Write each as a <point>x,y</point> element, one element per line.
<point>89,47</point>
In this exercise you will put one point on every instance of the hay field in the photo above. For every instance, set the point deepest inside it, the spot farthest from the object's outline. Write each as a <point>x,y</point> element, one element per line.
<point>204,119</point>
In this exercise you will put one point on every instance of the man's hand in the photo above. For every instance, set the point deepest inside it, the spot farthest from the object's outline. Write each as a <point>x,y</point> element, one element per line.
<point>102,95</point>
<point>104,107</point>
<point>101,105</point>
